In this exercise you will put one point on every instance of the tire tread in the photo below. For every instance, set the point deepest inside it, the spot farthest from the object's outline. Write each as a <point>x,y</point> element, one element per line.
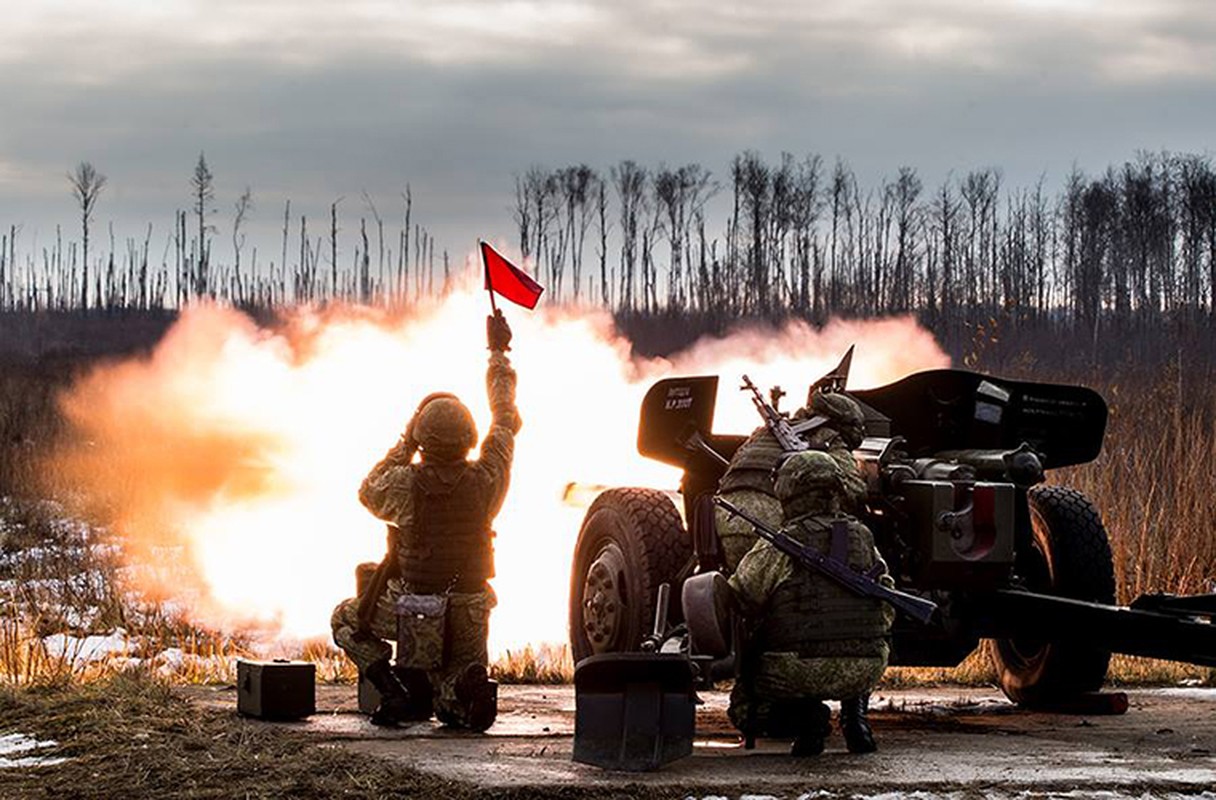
<point>664,546</point>
<point>1084,570</point>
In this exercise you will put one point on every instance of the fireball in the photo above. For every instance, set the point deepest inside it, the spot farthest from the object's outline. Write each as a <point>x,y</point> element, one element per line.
<point>239,449</point>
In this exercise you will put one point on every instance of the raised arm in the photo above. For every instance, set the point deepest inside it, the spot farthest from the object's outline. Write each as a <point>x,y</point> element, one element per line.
<point>498,448</point>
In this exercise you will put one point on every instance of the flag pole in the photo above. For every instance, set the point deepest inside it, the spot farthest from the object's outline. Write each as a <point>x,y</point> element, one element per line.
<point>485,266</point>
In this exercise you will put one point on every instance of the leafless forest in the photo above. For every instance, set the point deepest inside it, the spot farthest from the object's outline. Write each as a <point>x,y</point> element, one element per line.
<point>1131,249</point>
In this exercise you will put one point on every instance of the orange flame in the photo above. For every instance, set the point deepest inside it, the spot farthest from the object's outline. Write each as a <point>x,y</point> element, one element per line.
<point>244,447</point>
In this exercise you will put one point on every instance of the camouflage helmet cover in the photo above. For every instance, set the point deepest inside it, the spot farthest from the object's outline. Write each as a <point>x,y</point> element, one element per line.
<point>443,426</point>
<point>809,472</point>
<point>844,413</point>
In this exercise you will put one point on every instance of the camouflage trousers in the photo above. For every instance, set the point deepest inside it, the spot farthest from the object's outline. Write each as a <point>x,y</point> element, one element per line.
<point>777,698</point>
<point>735,533</point>
<point>468,627</point>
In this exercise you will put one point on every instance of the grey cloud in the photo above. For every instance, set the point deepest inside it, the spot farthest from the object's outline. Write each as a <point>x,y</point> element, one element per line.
<point>300,101</point>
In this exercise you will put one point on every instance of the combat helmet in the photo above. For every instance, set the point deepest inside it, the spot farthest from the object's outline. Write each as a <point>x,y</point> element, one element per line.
<point>444,427</point>
<point>843,413</point>
<point>809,482</point>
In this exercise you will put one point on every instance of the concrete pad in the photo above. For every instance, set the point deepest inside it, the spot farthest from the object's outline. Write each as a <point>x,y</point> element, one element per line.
<point>938,742</point>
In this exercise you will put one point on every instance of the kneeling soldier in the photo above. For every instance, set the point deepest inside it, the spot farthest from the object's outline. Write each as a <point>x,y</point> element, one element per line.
<point>812,639</point>
<point>440,557</point>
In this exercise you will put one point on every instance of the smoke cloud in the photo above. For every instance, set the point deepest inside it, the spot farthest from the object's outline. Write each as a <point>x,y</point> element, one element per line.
<point>235,451</point>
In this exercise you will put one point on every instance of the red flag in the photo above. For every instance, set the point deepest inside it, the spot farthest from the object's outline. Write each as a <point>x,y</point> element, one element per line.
<point>509,280</point>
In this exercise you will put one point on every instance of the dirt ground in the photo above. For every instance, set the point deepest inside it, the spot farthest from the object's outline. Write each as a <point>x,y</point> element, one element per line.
<point>937,743</point>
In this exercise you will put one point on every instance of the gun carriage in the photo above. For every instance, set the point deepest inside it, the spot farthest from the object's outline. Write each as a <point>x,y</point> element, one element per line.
<point>955,464</point>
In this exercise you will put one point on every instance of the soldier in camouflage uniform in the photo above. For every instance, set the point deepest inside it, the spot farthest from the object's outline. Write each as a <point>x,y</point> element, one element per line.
<point>813,640</point>
<point>832,422</point>
<point>439,511</point>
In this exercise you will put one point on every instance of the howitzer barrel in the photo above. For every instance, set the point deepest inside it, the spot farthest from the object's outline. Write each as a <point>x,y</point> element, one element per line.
<point>916,607</point>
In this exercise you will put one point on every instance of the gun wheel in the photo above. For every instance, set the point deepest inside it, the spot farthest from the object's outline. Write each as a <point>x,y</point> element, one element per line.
<point>1070,558</point>
<point>631,541</point>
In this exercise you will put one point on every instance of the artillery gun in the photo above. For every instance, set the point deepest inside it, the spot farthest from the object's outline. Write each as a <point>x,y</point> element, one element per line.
<point>955,465</point>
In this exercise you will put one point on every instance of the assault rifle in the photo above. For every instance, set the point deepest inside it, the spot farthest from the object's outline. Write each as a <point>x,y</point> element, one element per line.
<point>858,583</point>
<point>777,425</point>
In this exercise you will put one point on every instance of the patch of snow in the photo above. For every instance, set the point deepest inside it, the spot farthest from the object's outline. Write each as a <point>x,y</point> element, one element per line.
<point>74,618</point>
<point>1078,794</point>
<point>88,649</point>
<point>913,796</point>
<point>1190,693</point>
<point>171,658</point>
<point>16,743</point>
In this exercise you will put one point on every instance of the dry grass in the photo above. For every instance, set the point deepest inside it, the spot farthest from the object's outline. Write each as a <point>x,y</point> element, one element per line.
<point>1134,671</point>
<point>544,663</point>
<point>975,670</point>
<point>24,660</point>
<point>128,735</point>
<point>1155,482</point>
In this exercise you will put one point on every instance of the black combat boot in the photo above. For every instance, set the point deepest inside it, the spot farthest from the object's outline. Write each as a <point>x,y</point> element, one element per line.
<point>422,697</point>
<point>816,726</point>
<point>478,697</point>
<point>395,703</point>
<point>854,725</point>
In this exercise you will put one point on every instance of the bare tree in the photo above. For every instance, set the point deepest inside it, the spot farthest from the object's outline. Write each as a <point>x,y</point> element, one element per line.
<point>577,187</point>
<point>333,246</point>
<point>629,179</point>
<point>979,190</point>
<point>907,220</point>
<point>202,185</point>
<point>601,208</point>
<point>87,184</point>
<point>522,213</point>
<point>379,240</point>
<point>945,211</point>
<point>843,186</point>
<point>244,205</point>
<point>754,181</point>
<point>679,195</point>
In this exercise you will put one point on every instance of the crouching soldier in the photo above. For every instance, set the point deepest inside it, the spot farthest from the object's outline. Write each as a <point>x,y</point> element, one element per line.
<point>812,640</point>
<point>435,575</point>
<point>830,421</point>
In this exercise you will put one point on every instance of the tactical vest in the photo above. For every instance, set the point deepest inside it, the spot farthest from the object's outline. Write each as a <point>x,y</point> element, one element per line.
<point>813,616</point>
<point>448,545</point>
<point>752,465</point>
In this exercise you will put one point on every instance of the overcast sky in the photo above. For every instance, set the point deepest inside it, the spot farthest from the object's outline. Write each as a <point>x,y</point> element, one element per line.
<point>314,100</point>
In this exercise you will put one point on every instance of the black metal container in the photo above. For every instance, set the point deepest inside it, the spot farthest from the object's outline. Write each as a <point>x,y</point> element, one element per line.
<point>278,689</point>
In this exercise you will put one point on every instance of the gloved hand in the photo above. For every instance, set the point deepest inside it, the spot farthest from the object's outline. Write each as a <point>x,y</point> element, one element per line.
<point>498,333</point>
<point>402,452</point>
<point>407,438</point>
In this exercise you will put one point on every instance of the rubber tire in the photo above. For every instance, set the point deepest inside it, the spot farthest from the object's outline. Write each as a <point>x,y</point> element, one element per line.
<point>1068,531</point>
<point>646,527</point>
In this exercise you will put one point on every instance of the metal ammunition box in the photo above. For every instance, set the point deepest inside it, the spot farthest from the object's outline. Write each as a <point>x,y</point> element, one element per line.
<point>278,689</point>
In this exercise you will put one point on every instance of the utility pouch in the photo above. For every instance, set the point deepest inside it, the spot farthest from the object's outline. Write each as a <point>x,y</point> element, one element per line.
<point>421,631</point>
